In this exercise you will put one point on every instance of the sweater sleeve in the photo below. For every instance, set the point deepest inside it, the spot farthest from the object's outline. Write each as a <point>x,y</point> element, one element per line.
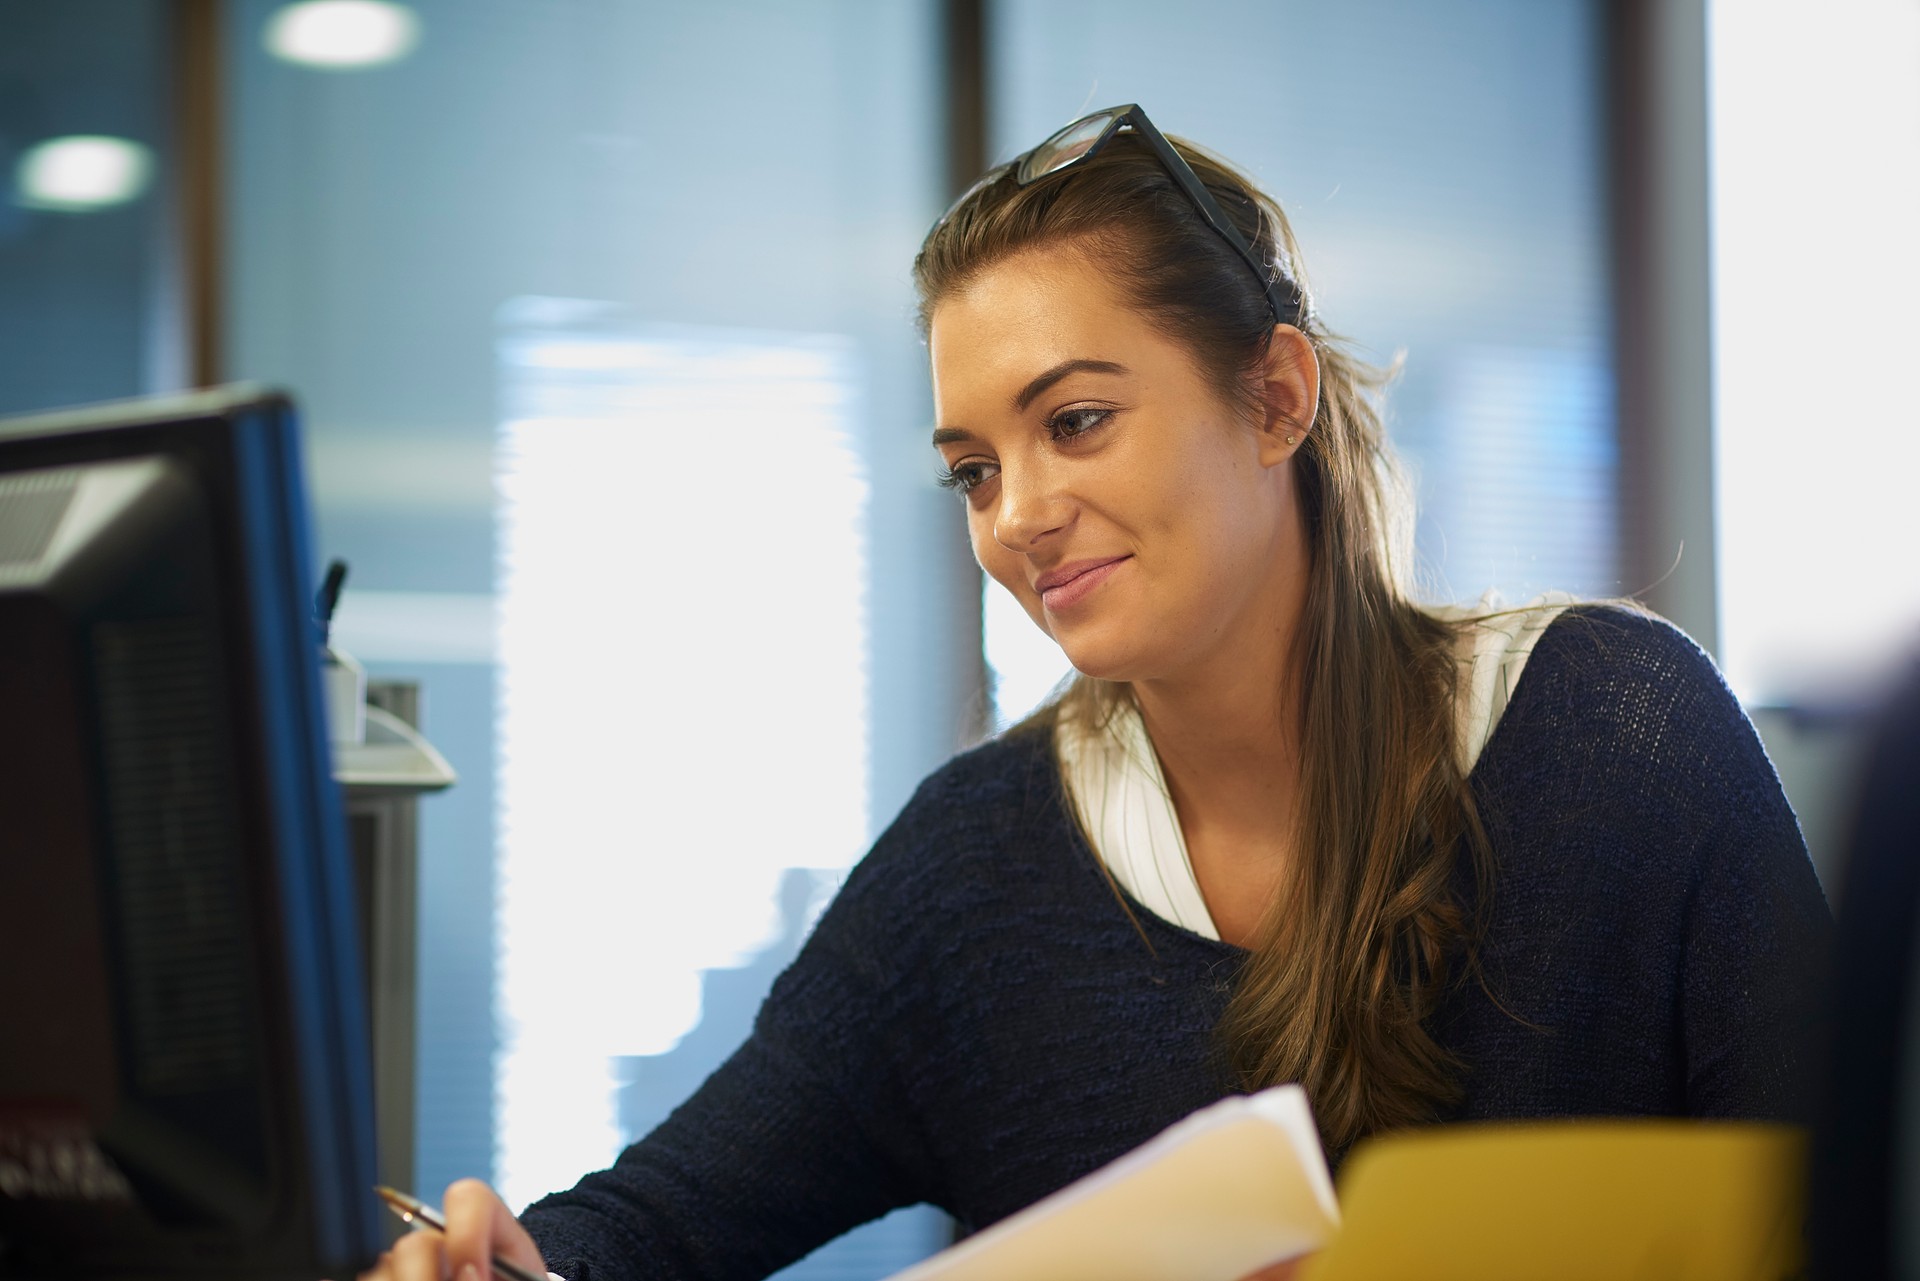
<point>1757,933</point>
<point>804,1133</point>
<point>1753,923</point>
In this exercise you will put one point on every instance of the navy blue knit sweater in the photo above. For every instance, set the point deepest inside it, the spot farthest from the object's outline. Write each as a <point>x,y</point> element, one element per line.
<point>975,1022</point>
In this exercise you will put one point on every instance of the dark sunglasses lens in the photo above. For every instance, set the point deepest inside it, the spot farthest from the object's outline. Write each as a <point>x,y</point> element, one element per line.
<point>1065,147</point>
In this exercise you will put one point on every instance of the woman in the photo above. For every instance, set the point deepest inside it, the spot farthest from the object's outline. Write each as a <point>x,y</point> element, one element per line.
<point>1287,826</point>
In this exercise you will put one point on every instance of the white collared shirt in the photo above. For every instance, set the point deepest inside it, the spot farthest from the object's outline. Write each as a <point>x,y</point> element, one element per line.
<point>1114,778</point>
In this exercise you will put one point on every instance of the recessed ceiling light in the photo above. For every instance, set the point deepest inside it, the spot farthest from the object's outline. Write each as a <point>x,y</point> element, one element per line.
<point>82,173</point>
<point>343,35</point>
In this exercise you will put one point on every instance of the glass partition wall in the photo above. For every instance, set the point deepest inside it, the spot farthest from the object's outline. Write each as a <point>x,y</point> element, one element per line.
<point>601,317</point>
<point>89,288</point>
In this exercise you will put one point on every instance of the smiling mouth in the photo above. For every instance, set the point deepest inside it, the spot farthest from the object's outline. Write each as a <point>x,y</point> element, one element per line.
<point>1064,588</point>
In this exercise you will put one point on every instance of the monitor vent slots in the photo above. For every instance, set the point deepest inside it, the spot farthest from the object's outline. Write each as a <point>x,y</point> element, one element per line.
<point>176,862</point>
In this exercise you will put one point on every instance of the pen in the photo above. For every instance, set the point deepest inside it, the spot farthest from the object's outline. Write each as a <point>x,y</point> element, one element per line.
<point>418,1212</point>
<point>327,601</point>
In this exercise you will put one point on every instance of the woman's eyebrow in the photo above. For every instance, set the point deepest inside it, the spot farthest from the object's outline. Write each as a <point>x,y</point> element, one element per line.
<point>957,435</point>
<point>1061,370</point>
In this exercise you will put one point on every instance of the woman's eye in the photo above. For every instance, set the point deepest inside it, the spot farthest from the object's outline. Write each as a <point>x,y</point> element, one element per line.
<point>967,476</point>
<point>1069,423</point>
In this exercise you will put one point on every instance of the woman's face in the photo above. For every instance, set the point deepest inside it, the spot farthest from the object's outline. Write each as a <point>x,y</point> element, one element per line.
<point>1144,524</point>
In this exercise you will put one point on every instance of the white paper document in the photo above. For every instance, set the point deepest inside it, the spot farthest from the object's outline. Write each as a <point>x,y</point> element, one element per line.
<point>1233,1188</point>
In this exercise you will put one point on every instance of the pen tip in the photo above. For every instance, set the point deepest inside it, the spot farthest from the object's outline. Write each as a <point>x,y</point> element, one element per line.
<point>395,1198</point>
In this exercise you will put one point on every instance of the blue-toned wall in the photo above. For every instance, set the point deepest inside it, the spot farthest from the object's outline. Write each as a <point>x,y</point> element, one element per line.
<point>81,291</point>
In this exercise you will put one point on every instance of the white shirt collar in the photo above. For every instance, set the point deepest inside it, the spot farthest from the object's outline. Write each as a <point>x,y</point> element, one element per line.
<point>1113,774</point>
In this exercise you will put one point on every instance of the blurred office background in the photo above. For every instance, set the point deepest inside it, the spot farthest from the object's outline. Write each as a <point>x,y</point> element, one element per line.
<point>600,317</point>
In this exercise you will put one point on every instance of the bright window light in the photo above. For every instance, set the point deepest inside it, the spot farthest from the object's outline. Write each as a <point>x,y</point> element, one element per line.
<point>683,708</point>
<point>1816,124</point>
<point>82,173</point>
<point>1024,666</point>
<point>343,35</point>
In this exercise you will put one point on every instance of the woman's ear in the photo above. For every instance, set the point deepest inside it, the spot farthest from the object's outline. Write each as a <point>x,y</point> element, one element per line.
<point>1290,394</point>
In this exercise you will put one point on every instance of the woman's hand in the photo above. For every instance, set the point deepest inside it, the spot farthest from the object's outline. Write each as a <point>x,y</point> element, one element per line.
<point>479,1226</point>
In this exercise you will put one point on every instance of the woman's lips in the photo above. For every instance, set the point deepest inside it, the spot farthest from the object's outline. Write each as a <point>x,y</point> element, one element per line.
<point>1073,583</point>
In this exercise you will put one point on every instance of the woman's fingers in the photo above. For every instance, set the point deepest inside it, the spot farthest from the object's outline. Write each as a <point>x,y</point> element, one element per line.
<point>418,1256</point>
<point>479,1226</point>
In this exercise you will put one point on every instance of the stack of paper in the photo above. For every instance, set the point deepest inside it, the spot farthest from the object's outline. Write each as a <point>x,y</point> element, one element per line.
<point>1233,1188</point>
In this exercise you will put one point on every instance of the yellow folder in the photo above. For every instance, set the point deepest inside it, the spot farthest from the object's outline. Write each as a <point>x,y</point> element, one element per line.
<point>1572,1201</point>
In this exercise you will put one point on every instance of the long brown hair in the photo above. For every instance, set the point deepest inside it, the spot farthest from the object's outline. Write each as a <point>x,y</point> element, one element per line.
<point>1372,921</point>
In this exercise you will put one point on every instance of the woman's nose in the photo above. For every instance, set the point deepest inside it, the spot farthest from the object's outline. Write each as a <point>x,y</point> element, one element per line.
<point>1032,507</point>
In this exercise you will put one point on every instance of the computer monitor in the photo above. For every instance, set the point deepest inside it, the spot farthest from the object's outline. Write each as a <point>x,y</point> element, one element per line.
<point>185,1079</point>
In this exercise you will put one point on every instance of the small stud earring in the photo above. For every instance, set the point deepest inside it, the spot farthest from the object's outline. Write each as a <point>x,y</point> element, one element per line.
<point>1289,440</point>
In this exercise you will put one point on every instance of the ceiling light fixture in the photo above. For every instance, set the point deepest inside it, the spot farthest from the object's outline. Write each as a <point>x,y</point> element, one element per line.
<point>82,173</point>
<point>342,35</point>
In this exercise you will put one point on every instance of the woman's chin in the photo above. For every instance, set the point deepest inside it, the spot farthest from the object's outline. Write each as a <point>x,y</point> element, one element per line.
<point>1104,662</point>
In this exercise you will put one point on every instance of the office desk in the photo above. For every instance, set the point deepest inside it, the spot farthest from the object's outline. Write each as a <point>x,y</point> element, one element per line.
<point>383,779</point>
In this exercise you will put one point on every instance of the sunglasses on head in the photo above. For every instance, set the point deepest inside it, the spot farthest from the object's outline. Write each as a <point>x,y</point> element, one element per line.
<point>1082,140</point>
